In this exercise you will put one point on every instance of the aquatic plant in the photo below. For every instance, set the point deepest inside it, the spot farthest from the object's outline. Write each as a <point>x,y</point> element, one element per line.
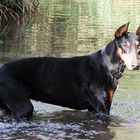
<point>14,8</point>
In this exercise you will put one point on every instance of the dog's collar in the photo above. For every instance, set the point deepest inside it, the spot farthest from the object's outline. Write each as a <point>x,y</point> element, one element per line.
<point>107,60</point>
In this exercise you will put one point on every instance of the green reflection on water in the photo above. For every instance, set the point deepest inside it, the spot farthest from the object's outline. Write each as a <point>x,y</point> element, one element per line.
<point>78,27</point>
<point>68,27</point>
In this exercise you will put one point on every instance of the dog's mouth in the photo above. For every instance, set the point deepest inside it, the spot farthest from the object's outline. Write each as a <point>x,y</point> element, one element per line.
<point>136,68</point>
<point>133,67</point>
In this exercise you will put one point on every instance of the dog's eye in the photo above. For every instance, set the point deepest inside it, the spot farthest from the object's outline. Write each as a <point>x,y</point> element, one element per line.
<point>126,44</point>
<point>125,47</point>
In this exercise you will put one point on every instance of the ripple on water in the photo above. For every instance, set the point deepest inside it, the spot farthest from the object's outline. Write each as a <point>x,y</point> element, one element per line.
<point>61,127</point>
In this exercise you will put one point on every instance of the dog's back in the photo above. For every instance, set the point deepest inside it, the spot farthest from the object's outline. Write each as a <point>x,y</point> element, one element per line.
<point>60,81</point>
<point>29,70</point>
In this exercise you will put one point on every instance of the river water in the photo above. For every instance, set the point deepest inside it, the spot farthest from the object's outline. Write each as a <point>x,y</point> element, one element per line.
<point>65,28</point>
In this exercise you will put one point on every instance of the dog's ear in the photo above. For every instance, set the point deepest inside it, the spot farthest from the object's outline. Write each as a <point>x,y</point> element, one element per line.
<point>138,31</point>
<point>121,30</point>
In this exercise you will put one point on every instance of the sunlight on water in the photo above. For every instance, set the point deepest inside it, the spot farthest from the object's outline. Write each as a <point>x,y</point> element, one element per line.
<point>63,28</point>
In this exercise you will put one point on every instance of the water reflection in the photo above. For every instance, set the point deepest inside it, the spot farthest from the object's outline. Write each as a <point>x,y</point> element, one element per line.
<point>11,40</point>
<point>67,28</point>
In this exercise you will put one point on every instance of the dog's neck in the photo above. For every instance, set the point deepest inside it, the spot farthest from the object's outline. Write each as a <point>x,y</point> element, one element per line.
<point>106,60</point>
<point>111,58</point>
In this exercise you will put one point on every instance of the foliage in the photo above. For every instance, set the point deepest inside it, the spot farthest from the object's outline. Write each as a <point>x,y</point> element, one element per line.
<point>14,8</point>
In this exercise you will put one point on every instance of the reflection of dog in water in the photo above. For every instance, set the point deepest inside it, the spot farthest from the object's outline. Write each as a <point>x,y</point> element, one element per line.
<point>83,82</point>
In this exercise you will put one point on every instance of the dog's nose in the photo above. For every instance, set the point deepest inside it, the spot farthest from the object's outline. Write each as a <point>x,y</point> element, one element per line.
<point>135,67</point>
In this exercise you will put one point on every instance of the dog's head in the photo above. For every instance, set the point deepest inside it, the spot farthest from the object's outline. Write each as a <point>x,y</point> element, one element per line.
<point>128,44</point>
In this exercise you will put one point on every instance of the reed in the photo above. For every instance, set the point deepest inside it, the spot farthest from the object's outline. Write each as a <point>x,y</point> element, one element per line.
<point>14,8</point>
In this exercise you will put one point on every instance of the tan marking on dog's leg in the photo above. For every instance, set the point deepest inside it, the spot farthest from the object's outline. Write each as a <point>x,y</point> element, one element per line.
<point>111,94</point>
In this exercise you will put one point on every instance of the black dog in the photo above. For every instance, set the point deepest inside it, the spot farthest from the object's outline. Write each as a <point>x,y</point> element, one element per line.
<point>85,82</point>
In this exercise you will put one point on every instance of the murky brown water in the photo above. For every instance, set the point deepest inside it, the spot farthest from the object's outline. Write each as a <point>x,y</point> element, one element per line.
<point>67,28</point>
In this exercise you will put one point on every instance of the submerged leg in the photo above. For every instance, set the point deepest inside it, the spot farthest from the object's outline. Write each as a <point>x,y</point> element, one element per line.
<point>15,101</point>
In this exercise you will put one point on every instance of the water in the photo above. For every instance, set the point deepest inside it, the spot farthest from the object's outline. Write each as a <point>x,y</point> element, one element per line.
<point>63,28</point>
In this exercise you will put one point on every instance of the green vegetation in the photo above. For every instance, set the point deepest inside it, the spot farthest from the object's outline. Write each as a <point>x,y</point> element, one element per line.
<point>14,8</point>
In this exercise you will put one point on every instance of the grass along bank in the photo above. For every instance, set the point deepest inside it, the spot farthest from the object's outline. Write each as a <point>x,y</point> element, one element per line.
<point>12,9</point>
